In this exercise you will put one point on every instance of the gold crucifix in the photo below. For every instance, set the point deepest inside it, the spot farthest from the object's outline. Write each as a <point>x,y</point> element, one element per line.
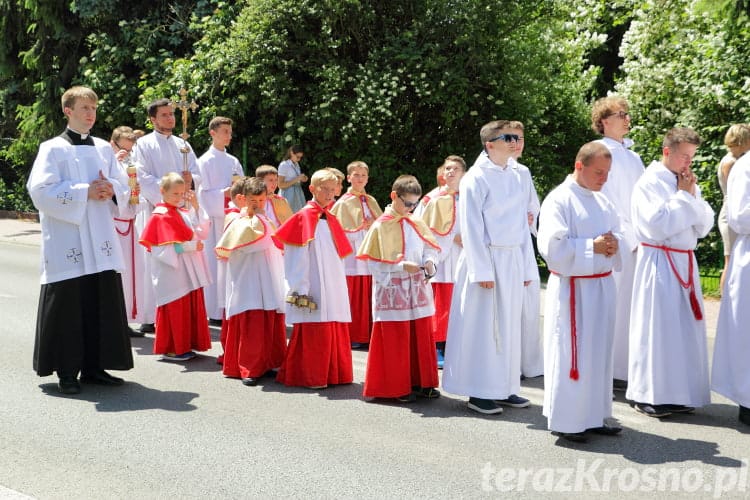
<point>183,105</point>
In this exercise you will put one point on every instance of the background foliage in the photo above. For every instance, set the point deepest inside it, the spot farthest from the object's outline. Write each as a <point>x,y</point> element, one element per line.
<point>399,85</point>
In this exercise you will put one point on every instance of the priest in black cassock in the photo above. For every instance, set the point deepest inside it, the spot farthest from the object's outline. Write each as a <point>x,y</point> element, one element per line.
<point>81,322</point>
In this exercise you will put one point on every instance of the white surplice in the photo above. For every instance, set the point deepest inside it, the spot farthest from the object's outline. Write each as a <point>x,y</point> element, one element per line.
<point>730,375</point>
<point>216,169</point>
<point>483,350</point>
<point>136,277</point>
<point>571,218</point>
<point>397,294</point>
<point>627,168</point>
<point>255,275</point>
<point>79,235</point>
<point>316,269</point>
<point>668,360</point>
<point>173,274</point>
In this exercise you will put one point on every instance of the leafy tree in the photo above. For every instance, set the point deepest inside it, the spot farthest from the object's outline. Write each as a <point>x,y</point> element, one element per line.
<point>685,65</point>
<point>399,85</point>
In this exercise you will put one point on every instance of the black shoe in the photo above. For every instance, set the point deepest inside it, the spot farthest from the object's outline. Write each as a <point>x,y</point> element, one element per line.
<point>271,373</point>
<point>619,385</point>
<point>100,377</point>
<point>678,408</point>
<point>745,415</point>
<point>68,385</point>
<point>147,328</point>
<point>484,406</point>
<point>359,345</point>
<point>214,322</point>
<point>656,411</point>
<point>135,333</point>
<point>427,392</point>
<point>407,398</point>
<point>250,381</point>
<point>606,430</point>
<point>575,437</point>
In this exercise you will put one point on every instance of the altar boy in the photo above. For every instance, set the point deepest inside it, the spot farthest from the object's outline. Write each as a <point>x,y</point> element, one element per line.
<point>314,245</point>
<point>401,252</point>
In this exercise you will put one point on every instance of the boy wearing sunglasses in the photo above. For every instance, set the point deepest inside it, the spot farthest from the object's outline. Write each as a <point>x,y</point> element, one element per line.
<point>401,252</point>
<point>483,349</point>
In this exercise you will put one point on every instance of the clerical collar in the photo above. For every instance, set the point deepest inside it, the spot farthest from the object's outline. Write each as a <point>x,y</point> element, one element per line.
<point>76,138</point>
<point>165,136</point>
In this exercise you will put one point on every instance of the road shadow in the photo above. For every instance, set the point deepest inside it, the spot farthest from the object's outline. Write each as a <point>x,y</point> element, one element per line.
<point>646,448</point>
<point>129,397</point>
<point>338,392</point>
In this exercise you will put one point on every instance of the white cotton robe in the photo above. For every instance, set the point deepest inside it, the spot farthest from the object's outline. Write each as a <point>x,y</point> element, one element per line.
<point>627,168</point>
<point>668,359</point>
<point>532,350</point>
<point>571,218</point>
<point>216,169</point>
<point>157,155</point>
<point>79,235</point>
<point>731,366</point>
<point>483,349</point>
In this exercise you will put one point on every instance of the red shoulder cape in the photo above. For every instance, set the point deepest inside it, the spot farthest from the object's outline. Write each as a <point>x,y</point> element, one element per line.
<point>166,226</point>
<point>299,229</point>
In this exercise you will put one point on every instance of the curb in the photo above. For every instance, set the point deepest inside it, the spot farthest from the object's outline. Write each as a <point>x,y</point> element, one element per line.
<point>22,216</point>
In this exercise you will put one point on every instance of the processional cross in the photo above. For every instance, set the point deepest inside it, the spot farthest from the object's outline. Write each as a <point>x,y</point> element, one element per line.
<point>183,105</point>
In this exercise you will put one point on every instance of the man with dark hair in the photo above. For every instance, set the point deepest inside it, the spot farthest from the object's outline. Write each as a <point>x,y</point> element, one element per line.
<point>668,357</point>
<point>81,325</point>
<point>158,154</point>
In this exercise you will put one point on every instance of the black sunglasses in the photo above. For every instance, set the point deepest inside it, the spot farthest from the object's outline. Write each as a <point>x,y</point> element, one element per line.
<point>508,138</point>
<point>410,205</point>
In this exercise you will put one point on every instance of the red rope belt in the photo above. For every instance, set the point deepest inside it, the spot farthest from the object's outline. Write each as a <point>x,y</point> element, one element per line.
<point>131,232</point>
<point>573,333</point>
<point>687,285</point>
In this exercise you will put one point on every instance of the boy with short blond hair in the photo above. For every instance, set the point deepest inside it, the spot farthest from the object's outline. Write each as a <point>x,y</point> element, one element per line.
<point>319,352</point>
<point>174,236</point>
<point>357,210</point>
<point>256,329</point>
<point>277,207</point>
<point>402,254</point>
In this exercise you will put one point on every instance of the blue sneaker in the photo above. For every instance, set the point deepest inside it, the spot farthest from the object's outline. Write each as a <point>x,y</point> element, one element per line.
<point>440,359</point>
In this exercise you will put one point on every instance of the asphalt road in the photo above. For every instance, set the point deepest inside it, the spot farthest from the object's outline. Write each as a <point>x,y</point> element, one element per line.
<point>185,431</point>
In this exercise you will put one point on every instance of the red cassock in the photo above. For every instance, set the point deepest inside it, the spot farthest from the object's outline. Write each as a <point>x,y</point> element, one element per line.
<point>181,325</point>
<point>318,354</point>
<point>402,355</point>
<point>255,343</point>
<point>442,292</point>
<point>360,293</point>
